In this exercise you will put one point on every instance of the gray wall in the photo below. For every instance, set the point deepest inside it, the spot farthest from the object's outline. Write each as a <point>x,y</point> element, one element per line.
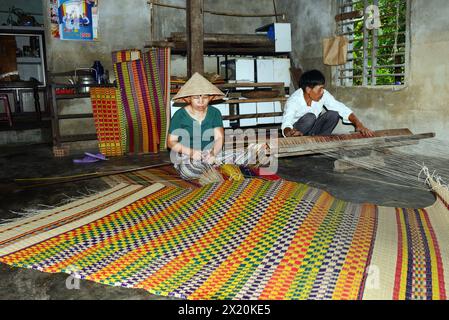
<point>422,105</point>
<point>123,26</point>
<point>173,20</point>
<point>126,24</point>
<point>310,21</point>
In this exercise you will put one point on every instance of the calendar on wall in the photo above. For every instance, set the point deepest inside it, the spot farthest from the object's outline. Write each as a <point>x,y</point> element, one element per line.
<point>74,19</point>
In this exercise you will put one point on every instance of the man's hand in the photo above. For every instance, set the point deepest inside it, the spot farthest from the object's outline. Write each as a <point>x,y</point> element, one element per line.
<point>359,127</point>
<point>291,132</point>
<point>364,131</point>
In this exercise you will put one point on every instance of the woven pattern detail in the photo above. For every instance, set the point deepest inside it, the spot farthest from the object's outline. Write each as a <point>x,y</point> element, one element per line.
<point>137,118</point>
<point>158,75</point>
<point>107,122</point>
<point>126,55</point>
<point>143,98</point>
<point>248,239</point>
<point>419,272</point>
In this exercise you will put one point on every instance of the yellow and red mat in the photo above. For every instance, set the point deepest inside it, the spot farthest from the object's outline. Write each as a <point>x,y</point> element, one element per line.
<point>107,122</point>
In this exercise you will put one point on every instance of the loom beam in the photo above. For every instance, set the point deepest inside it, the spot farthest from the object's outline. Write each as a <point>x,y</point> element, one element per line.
<point>353,144</point>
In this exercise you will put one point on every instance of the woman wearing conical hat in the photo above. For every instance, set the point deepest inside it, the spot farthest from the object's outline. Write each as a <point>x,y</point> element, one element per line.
<point>196,133</point>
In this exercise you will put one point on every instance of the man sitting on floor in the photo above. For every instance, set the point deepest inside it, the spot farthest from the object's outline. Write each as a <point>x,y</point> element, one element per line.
<point>304,116</point>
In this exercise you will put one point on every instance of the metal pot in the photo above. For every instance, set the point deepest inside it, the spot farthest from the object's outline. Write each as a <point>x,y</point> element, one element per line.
<point>83,81</point>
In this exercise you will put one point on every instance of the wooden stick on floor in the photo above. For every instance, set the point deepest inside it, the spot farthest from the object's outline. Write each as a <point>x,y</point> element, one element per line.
<point>75,178</point>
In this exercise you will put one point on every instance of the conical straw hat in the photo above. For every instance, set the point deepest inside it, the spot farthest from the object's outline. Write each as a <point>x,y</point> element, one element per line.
<point>198,85</point>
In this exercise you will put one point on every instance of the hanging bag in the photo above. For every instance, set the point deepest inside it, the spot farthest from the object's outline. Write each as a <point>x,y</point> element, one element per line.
<point>335,50</point>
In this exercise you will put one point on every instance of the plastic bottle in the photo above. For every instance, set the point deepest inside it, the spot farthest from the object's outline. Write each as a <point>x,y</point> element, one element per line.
<point>99,77</point>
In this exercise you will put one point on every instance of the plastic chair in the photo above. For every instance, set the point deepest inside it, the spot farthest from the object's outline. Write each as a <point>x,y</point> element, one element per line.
<point>7,114</point>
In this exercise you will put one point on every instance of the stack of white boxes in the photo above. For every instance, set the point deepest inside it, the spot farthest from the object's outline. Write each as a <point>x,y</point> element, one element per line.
<point>240,70</point>
<point>272,70</point>
<point>268,70</point>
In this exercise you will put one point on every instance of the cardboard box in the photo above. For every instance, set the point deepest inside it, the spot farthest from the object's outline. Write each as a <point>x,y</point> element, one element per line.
<point>8,54</point>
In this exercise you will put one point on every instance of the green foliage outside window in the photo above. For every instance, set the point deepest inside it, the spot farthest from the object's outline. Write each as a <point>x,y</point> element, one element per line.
<point>391,44</point>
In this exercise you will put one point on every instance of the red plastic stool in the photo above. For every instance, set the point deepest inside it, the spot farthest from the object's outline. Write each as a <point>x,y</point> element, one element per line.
<point>7,115</point>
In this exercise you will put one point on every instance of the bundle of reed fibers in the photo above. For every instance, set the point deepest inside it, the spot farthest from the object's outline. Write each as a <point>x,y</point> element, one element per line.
<point>404,164</point>
<point>254,155</point>
<point>210,175</point>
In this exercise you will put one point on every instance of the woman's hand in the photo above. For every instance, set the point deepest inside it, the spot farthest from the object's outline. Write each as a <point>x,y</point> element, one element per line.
<point>208,157</point>
<point>197,155</point>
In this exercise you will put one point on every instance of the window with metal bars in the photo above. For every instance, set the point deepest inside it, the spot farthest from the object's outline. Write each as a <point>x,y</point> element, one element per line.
<point>376,56</point>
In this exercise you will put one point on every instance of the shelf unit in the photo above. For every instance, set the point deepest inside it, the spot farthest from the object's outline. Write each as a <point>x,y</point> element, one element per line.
<point>261,72</point>
<point>58,139</point>
<point>30,42</point>
<point>243,112</point>
<point>30,62</point>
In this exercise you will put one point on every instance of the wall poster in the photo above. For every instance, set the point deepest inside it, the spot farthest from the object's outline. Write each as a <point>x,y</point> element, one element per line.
<point>74,19</point>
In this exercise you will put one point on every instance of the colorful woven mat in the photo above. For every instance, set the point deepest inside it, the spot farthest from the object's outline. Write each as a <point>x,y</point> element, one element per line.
<point>158,103</point>
<point>107,124</point>
<point>126,55</point>
<point>249,239</point>
<point>163,63</point>
<point>166,175</point>
<point>137,118</point>
<point>163,59</point>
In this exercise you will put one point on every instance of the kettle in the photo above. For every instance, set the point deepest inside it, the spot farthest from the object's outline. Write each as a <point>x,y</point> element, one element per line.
<point>83,81</point>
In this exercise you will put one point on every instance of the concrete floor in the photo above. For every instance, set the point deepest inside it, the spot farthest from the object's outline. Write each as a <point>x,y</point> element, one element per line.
<point>37,161</point>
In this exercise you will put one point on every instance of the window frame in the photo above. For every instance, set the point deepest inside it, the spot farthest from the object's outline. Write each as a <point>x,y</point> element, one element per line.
<point>367,78</point>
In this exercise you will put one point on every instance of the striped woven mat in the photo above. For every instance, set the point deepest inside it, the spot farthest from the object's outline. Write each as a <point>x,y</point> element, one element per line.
<point>138,121</point>
<point>156,62</point>
<point>250,239</point>
<point>143,98</point>
<point>126,55</point>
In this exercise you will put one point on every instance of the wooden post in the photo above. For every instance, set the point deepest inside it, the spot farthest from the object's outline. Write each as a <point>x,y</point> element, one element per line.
<point>195,37</point>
